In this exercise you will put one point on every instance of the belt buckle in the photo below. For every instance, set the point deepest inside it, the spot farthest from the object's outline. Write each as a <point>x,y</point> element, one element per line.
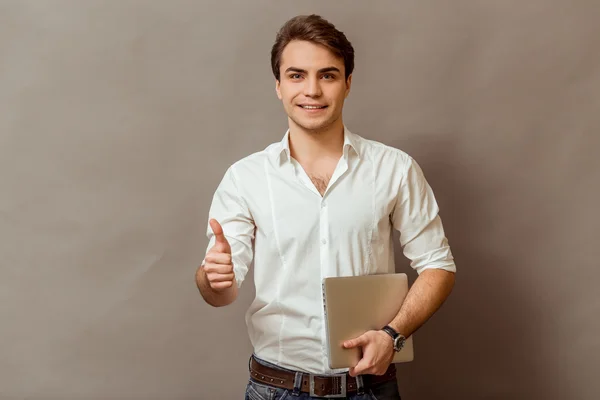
<point>342,394</point>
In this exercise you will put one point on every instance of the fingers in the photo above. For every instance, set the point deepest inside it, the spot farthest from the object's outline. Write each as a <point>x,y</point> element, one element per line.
<point>363,367</point>
<point>221,243</point>
<point>359,341</point>
<point>218,286</point>
<point>219,276</point>
<point>222,269</point>
<point>214,277</point>
<point>375,350</point>
<point>218,258</point>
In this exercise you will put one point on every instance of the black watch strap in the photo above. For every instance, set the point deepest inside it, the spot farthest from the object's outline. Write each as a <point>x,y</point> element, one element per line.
<point>390,331</point>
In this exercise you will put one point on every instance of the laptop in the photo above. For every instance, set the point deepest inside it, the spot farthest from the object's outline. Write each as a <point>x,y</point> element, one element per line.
<point>356,304</point>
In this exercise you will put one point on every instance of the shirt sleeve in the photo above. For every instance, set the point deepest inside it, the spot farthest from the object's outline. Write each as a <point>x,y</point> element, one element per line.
<point>416,217</point>
<point>232,212</point>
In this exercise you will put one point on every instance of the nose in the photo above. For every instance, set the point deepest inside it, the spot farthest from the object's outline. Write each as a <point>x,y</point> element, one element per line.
<point>312,87</point>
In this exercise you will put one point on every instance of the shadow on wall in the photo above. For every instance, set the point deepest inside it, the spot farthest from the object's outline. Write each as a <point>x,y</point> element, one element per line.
<point>483,343</point>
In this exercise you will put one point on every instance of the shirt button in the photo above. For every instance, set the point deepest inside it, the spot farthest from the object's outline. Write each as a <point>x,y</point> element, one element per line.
<point>323,241</point>
<point>323,204</point>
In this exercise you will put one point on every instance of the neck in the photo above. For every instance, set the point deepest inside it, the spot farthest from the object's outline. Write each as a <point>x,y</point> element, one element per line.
<point>309,145</point>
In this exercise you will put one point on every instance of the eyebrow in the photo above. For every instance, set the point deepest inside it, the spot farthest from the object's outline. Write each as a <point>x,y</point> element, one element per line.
<point>321,71</point>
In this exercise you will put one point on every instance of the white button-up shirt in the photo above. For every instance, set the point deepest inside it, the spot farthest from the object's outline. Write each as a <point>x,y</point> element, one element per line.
<point>272,214</point>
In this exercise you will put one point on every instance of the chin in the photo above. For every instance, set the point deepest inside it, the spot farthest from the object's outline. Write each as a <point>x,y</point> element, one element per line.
<point>312,125</point>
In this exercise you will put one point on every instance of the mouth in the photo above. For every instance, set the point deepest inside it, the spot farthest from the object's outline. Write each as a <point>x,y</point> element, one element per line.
<point>311,107</point>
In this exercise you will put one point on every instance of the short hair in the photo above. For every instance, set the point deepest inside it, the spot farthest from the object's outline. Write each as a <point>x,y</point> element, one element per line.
<point>315,29</point>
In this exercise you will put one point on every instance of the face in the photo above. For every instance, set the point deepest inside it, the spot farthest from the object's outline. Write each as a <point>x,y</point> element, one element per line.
<point>312,86</point>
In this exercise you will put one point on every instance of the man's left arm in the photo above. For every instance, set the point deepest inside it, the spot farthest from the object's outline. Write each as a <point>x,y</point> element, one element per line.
<point>416,217</point>
<point>425,297</point>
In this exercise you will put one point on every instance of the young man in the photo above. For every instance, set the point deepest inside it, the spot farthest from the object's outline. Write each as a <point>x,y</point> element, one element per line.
<point>322,202</point>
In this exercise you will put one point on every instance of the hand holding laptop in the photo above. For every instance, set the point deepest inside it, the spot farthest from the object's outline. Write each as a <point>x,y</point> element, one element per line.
<point>377,352</point>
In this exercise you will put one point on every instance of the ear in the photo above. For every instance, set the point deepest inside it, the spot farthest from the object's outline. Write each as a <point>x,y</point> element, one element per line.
<point>348,84</point>
<point>278,89</point>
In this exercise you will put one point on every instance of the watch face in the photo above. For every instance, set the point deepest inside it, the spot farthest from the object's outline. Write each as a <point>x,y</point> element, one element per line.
<point>399,343</point>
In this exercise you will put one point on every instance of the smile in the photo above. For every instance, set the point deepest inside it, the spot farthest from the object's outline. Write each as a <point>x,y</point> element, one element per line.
<point>312,107</point>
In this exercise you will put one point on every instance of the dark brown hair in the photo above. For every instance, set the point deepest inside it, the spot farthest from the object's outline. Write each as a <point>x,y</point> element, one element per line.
<point>315,29</point>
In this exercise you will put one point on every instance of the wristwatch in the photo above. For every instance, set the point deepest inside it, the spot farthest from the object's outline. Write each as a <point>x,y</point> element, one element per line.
<point>398,339</point>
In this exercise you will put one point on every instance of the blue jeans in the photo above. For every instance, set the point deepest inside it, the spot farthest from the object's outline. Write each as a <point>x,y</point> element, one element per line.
<point>261,391</point>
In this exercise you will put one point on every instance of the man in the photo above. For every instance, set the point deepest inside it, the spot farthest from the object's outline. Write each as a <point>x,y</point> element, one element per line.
<point>322,202</point>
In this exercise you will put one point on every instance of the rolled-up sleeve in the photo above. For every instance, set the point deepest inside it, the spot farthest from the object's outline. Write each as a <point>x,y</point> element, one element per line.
<point>232,212</point>
<point>416,217</point>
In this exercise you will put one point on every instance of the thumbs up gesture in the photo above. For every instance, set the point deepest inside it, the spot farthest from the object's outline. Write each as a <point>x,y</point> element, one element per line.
<point>218,265</point>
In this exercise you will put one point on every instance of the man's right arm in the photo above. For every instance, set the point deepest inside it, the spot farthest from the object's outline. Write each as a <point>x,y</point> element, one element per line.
<point>230,248</point>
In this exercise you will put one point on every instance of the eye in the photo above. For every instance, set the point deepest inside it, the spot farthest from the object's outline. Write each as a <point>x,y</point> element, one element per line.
<point>328,76</point>
<point>295,76</point>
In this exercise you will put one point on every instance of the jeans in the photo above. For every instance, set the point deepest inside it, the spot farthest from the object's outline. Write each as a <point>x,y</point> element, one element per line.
<point>261,391</point>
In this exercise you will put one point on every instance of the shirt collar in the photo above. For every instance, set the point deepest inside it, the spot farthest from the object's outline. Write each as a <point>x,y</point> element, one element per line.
<point>351,141</point>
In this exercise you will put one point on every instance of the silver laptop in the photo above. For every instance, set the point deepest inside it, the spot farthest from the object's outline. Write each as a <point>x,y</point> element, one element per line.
<point>356,304</point>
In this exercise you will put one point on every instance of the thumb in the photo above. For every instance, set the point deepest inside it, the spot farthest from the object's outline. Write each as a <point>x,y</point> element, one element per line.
<point>220,241</point>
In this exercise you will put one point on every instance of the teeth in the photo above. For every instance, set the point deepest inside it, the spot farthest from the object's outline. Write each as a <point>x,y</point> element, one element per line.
<point>312,107</point>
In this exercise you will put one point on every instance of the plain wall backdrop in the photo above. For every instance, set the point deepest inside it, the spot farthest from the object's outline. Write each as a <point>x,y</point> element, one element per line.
<point>119,118</point>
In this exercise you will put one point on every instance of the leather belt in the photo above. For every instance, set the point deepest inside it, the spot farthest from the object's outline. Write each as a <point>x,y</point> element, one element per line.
<point>317,385</point>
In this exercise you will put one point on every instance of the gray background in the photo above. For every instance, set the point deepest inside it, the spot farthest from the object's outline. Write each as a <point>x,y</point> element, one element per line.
<point>119,118</point>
